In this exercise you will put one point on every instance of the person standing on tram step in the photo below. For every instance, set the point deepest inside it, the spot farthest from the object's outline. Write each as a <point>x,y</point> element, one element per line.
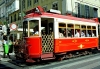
<point>5,47</point>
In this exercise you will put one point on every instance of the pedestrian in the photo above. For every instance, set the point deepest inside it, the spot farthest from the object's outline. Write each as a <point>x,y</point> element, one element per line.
<point>5,47</point>
<point>1,49</point>
<point>16,48</point>
<point>10,43</point>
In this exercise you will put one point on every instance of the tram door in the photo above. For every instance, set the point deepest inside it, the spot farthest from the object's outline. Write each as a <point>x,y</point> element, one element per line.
<point>47,35</point>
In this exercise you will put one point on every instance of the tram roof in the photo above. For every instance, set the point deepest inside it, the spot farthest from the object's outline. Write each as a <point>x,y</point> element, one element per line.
<point>53,15</point>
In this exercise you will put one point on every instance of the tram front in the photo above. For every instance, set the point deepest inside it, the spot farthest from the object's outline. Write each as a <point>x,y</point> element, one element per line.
<point>38,36</point>
<point>31,29</point>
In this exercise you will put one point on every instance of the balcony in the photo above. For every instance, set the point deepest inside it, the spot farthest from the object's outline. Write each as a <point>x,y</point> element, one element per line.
<point>9,2</point>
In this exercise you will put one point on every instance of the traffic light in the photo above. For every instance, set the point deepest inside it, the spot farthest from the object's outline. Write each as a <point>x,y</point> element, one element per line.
<point>8,31</point>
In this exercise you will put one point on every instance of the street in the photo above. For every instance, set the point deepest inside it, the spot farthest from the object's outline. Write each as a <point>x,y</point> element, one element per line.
<point>84,62</point>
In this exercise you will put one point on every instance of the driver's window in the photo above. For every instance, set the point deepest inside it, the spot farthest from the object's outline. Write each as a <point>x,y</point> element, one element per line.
<point>34,27</point>
<point>25,28</point>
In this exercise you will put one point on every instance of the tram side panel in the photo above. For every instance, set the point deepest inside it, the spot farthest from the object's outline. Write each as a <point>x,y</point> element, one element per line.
<point>65,45</point>
<point>34,47</point>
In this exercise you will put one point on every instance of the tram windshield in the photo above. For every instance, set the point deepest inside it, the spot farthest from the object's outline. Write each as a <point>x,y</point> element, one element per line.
<point>34,28</point>
<point>25,28</point>
<point>31,28</point>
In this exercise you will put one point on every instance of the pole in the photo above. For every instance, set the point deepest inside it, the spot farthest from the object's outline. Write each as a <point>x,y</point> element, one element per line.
<point>21,14</point>
<point>21,10</point>
<point>13,36</point>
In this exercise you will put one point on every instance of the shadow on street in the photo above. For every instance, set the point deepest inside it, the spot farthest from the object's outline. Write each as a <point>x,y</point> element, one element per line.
<point>4,67</point>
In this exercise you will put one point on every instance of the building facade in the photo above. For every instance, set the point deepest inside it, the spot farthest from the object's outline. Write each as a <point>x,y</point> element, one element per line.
<point>12,6</point>
<point>46,4</point>
<point>82,8</point>
<point>13,14</point>
<point>2,11</point>
<point>79,8</point>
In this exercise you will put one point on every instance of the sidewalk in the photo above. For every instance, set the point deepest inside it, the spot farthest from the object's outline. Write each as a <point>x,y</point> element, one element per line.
<point>6,59</point>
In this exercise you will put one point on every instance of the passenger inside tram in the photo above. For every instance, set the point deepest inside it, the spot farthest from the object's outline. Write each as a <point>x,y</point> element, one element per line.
<point>69,32</point>
<point>87,34</point>
<point>64,33</point>
<point>35,30</point>
<point>77,34</point>
<point>82,33</point>
<point>61,33</point>
<point>92,34</point>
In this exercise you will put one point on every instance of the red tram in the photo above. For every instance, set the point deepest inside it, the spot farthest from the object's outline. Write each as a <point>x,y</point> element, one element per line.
<point>50,35</point>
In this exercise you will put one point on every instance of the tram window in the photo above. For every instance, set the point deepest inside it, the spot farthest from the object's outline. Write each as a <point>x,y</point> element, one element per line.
<point>25,29</point>
<point>71,26</point>
<point>83,31</point>
<point>93,31</point>
<point>88,27</point>
<point>88,33</point>
<point>77,30</point>
<point>83,27</point>
<point>70,30</point>
<point>77,26</point>
<point>62,25</point>
<point>62,30</point>
<point>93,28</point>
<point>34,27</point>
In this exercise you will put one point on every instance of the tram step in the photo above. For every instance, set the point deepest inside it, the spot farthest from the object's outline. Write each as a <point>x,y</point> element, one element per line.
<point>48,58</point>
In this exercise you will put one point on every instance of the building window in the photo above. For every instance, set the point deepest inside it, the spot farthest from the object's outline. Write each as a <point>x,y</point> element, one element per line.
<point>15,17</point>
<point>45,8</point>
<point>29,2</point>
<point>78,10</point>
<point>11,19</point>
<point>55,6</point>
<point>95,12</point>
<point>23,4</point>
<point>87,11</point>
<point>35,1</point>
<point>18,16</point>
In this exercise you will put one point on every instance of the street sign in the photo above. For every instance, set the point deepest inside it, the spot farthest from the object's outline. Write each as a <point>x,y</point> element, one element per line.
<point>13,26</point>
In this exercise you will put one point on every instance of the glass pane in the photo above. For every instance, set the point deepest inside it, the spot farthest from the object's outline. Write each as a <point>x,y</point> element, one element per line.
<point>62,25</point>
<point>88,27</point>
<point>34,27</point>
<point>83,27</point>
<point>25,28</point>
<point>77,26</point>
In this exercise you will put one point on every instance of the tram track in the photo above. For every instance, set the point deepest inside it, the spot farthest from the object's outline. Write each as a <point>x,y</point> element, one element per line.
<point>49,64</point>
<point>52,63</point>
